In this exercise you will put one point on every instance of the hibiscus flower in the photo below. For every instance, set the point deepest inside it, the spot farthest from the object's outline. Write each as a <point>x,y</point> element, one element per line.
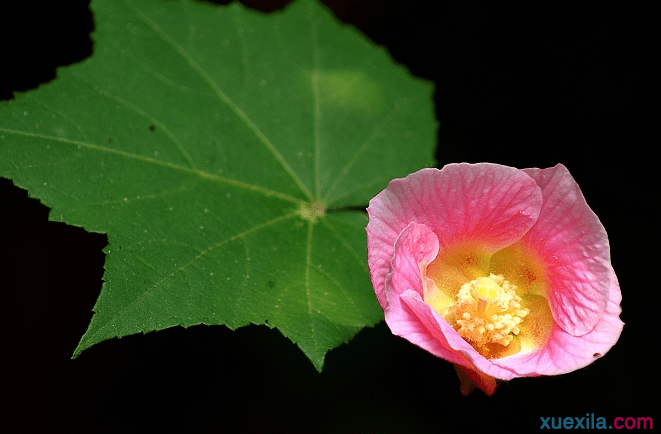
<point>503,272</point>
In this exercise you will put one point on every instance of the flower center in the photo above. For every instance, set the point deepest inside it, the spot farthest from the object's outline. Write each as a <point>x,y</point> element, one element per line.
<point>487,311</point>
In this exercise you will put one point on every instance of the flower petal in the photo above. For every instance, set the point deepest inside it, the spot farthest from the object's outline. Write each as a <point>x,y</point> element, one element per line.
<point>566,353</point>
<point>410,317</point>
<point>493,204</point>
<point>572,243</point>
<point>416,246</point>
<point>420,324</point>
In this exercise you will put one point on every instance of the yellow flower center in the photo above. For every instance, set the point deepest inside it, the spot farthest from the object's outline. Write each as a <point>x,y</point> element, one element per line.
<point>487,312</point>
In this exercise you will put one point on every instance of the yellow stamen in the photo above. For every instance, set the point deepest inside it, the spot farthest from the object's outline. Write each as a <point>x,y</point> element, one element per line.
<point>487,311</point>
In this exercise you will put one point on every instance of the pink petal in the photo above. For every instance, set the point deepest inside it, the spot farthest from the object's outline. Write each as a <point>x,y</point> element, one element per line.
<point>420,324</point>
<point>410,317</point>
<point>415,248</point>
<point>491,203</point>
<point>565,353</point>
<point>572,242</point>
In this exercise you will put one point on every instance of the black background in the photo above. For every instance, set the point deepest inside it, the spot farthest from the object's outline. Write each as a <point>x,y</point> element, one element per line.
<point>521,84</point>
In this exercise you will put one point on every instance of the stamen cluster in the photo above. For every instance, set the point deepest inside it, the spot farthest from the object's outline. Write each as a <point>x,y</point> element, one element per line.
<point>487,311</point>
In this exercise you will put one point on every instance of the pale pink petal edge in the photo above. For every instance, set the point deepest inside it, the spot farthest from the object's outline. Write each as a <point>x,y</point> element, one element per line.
<point>415,248</point>
<point>573,244</point>
<point>565,353</point>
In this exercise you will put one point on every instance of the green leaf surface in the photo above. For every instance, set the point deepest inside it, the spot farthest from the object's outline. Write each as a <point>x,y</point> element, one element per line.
<point>219,149</point>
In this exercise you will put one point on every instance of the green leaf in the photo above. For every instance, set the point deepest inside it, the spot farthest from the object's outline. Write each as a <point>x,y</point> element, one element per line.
<point>220,149</point>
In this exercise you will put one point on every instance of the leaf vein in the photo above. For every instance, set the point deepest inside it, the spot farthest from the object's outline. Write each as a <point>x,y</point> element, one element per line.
<point>357,155</point>
<point>162,78</point>
<point>265,191</point>
<point>361,260</point>
<point>160,195</point>
<point>190,263</point>
<point>344,290</point>
<point>316,104</point>
<point>153,120</point>
<point>382,180</point>
<point>244,54</point>
<point>308,259</point>
<point>224,98</point>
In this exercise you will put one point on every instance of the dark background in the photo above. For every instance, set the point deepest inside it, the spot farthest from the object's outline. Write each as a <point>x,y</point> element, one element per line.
<point>521,84</point>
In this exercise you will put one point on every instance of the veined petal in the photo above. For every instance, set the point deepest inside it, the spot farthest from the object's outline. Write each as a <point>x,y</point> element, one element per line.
<point>408,316</point>
<point>485,205</point>
<point>420,324</point>
<point>490,202</point>
<point>566,353</point>
<point>572,244</point>
<point>415,248</point>
<point>380,250</point>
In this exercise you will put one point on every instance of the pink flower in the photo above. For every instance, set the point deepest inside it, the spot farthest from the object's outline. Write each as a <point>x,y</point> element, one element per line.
<point>504,272</point>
